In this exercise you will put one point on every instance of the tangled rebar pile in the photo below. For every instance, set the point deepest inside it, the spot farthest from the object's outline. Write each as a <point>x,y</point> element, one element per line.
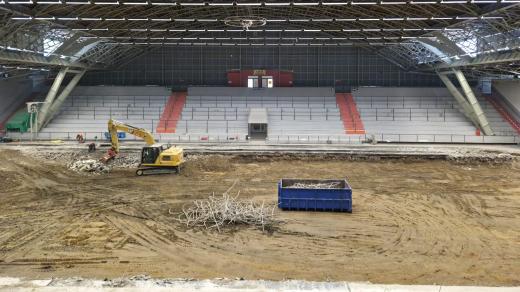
<point>329,185</point>
<point>217,212</point>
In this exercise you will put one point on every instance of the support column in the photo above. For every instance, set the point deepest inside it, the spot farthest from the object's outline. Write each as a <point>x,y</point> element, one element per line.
<point>466,108</point>
<point>55,106</point>
<point>51,95</point>
<point>473,102</point>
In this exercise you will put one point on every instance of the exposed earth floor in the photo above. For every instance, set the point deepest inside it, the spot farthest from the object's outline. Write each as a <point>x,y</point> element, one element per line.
<point>414,222</point>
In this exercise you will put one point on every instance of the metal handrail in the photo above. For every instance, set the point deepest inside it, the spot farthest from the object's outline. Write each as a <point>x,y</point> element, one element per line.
<point>336,139</point>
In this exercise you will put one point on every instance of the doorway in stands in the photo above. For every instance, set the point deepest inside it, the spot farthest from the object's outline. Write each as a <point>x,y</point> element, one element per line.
<point>260,82</point>
<point>252,82</point>
<point>267,82</point>
<point>257,123</point>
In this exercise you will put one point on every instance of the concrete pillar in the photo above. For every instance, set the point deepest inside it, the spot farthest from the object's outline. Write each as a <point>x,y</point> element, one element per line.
<point>473,102</point>
<point>53,109</point>
<point>466,108</point>
<point>51,95</point>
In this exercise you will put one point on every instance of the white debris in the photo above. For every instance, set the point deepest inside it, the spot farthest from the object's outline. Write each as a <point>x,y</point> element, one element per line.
<point>479,156</point>
<point>226,210</point>
<point>69,158</point>
<point>125,162</point>
<point>330,185</point>
<point>89,165</point>
<point>58,156</point>
<point>144,283</point>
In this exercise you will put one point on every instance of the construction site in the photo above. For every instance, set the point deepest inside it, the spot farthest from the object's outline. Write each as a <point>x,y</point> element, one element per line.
<point>259,145</point>
<point>416,221</point>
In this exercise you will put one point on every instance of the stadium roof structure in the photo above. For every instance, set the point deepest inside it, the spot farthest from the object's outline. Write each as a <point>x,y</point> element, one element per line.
<point>482,36</point>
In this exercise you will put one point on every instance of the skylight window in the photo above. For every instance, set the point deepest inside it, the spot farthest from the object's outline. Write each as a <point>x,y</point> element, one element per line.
<point>53,39</point>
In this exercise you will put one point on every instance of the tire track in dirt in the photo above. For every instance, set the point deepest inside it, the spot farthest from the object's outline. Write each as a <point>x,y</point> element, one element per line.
<point>60,261</point>
<point>148,238</point>
<point>23,242</point>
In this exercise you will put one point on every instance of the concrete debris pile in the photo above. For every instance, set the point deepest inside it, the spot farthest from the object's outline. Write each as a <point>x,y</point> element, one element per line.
<point>218,212</point>
<point>89,166</point>
<point>125,162</point>
<point>68,158</point>
<point>472,156</point>
<point>58,156</point>
<point>126,282</point>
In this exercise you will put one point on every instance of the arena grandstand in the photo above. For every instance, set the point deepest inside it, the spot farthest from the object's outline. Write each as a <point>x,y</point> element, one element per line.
<point>325,71</point>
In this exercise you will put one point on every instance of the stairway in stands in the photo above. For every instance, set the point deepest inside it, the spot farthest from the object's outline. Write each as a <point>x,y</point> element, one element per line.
<point>503,112</point>
<point>349,114</point>
<point>172,113</point>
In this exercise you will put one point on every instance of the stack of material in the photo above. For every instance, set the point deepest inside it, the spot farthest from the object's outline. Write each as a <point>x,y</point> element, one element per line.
<point>327,185</point>
<point>217,212</point>
<point>89,165</point>
<point>125,162</point>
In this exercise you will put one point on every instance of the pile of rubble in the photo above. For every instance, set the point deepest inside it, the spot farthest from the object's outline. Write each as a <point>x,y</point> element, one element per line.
<point>83,161</point>
<point>125,161</point>
<point>478,156</point>
<point>90,166</point>
<point>58,156</point>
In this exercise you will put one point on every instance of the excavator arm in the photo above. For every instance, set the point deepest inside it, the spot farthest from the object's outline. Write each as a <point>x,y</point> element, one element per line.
<point>114,126</point>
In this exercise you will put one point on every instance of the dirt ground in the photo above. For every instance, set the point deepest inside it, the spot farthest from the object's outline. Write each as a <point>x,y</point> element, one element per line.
<point>420,222</point>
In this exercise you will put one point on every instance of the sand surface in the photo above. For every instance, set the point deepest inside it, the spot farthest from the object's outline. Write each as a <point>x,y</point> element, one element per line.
<point>414,222</point>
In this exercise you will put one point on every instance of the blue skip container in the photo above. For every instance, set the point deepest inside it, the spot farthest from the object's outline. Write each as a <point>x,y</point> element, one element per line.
<point>297,194</point>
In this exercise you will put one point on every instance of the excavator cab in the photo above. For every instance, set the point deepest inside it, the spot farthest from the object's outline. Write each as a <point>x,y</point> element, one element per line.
<point>149,155</point>
<point>160,158</point>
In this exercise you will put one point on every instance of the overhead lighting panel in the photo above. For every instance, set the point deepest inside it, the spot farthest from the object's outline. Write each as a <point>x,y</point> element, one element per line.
<point>248,4</point>
<point>260,3</point>
<point>334,3</point>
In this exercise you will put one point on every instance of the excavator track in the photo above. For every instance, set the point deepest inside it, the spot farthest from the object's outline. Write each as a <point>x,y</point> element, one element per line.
<point>157,170</point>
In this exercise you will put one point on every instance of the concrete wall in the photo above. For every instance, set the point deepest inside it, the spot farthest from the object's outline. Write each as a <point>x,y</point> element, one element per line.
<point>510,91</point>
<point>13,93</point>
<point>269,92</point>
<point>121,91</point>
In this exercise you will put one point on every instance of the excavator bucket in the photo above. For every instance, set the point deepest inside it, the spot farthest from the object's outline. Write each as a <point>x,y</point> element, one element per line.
<point>111,154</point>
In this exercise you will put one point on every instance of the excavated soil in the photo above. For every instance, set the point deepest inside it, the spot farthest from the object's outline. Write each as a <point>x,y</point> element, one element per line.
<point>419,222</point>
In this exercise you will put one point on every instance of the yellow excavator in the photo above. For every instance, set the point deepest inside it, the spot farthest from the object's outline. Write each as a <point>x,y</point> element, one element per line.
<point>155,158</point>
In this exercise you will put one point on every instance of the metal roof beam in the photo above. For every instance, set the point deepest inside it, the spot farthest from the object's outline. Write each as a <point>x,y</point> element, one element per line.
<point>28,58</point>
<point>485,59</point>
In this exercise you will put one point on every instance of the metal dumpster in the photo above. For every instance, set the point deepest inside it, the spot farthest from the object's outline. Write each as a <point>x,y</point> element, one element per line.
<point>315,195</point>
